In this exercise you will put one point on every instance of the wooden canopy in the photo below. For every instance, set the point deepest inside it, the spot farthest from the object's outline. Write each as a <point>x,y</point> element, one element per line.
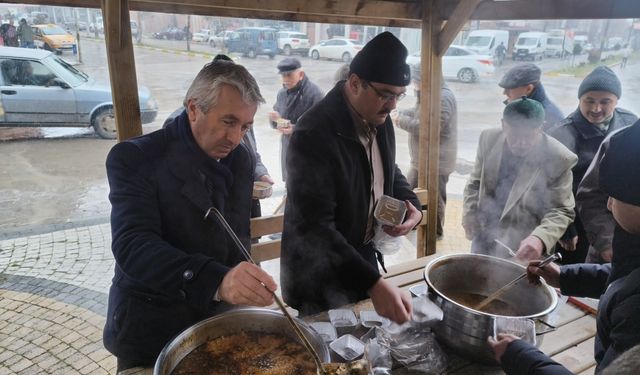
<point>440,21</point>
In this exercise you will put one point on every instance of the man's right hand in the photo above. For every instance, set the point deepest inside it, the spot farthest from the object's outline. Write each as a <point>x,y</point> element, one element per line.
<point>390,301</point>
<point>500,346</point>
<point>242,285</point>
<point>274,116</point>
<point>550,273</point>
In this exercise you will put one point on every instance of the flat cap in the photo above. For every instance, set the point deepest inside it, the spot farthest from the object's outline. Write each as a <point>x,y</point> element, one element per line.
<point>520,75</point>
<point>524,112</point>
<point>619,169</point>
<point>288,64</point>
<point>383,60</point>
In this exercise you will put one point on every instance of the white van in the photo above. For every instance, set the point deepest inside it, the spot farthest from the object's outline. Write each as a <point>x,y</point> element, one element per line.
<point>530,46</point>
<point>484,42</point>
<point>559,43</point>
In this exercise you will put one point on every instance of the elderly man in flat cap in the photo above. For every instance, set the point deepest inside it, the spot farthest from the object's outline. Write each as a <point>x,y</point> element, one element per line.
<point>524,80</point>
<point>520,189</point>
<point>582,132</point>
<point>296,96</point>
<point>341,160</point>
<point>617,285</point>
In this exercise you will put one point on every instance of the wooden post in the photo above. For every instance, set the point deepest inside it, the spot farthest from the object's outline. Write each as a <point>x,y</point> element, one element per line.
<point>429,124</point>
<point>122,69</point>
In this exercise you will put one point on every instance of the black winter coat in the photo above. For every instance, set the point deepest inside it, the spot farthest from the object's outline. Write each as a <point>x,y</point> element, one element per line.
<point>552,114</point>
<point>169,260</point>
<point>324,263</point>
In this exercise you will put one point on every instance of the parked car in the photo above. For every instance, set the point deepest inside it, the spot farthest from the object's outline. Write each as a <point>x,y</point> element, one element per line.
<point>461,63</point>
<point>201,36</point>
<point>39,89</point>
<point>220,39</point>
<point>253,41</point>
<point>53,38</point>
<point>293,42</point>
<point>171,32</point>
<point>338,49</point>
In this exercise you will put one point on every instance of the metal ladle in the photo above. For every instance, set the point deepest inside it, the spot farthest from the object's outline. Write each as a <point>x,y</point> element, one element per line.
<point>247,256</point>
<point>508,286</point>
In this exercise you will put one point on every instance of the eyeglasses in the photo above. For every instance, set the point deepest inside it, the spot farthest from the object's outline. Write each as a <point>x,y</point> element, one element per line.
<point>385,97</point>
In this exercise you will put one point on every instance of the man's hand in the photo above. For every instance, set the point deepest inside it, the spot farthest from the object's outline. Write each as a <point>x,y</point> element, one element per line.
<point>570,244</point>
<point>607,255</point>
<point>530,248</point>
<point>266,178</point>
<point>500,346</point>
<point>273,116</point>
<point>286,130</point>
<point>242,285</point>
<point>413,218</point>
<point>550,273</point>
<point>390,301</point>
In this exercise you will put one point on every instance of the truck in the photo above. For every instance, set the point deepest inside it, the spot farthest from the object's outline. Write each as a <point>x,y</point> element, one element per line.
<point>531,45</point>
<point>559,43</point>
<point>484,42</point>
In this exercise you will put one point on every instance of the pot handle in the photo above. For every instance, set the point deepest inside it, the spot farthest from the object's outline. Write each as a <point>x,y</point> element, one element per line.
<point>551,328</point>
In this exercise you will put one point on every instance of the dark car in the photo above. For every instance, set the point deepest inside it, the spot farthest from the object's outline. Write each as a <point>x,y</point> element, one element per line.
<point>171,32</point>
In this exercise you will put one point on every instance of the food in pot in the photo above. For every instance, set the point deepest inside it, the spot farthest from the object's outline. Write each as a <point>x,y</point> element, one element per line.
<point>495,307</point>
<point>249,352</point>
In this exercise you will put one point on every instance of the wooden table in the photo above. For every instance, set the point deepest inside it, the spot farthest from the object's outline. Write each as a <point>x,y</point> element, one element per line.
<point>571,344</point>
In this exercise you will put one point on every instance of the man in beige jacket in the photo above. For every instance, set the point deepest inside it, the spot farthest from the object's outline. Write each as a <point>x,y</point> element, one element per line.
<point>520,189</point>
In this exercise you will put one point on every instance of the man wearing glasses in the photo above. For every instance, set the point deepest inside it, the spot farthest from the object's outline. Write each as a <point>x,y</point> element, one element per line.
<point>341,160</point>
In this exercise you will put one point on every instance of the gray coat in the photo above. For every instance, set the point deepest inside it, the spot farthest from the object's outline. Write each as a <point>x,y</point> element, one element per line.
<point>409,120</point>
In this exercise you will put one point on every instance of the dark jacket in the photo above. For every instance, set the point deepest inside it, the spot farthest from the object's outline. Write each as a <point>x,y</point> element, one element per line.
<point>169,260</point>
<point>617,285</point>
<point>291,104</point>
<point>409,120</point>
<point>324,263</point>
<point>552,114</point>
<point>584,139</point>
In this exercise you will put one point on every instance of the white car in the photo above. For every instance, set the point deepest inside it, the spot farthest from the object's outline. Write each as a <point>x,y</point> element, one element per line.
<point>220,39</point>
<point>338,49</point>
<point>461,63</point>
<point>201,36</point>
<point>293,42</point>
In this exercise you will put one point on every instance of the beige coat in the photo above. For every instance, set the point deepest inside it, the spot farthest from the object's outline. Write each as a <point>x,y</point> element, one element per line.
<point>540,202</point>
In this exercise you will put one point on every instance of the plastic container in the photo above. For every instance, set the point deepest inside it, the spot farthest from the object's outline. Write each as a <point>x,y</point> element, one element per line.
<point>344,320</point>
<point>390,211</point>
<point>325,329</point>
<point>523,328</point>
<point>419,290</point>
<point>370,318</point>
<point>348,347</point>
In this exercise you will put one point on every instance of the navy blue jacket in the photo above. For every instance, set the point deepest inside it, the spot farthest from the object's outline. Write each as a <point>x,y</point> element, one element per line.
<point>552,114</point>
<point>169,260</point>
<point>324,262</point>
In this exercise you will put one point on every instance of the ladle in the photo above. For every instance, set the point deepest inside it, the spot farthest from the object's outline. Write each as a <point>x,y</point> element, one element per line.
<point>508,286</point>
<point>247,256</point>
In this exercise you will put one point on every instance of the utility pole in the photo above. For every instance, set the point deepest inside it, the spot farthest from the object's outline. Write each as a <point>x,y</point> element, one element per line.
<point>79,55</point>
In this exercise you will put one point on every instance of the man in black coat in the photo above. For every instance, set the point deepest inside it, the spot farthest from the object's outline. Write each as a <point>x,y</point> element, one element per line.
<point>582,132</point>
<point>174,266</point>
<point>341,161</point>
<point>617,285</point>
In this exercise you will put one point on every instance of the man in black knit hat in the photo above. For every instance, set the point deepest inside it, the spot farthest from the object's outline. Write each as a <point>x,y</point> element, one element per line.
<point>341,160</point>
<point>617,285</point>
<point>582,132</point>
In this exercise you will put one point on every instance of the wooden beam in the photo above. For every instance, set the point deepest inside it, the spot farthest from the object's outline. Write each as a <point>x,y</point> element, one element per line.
<point>264,225</point>
<point>458,18</point>
<point>122,69</point>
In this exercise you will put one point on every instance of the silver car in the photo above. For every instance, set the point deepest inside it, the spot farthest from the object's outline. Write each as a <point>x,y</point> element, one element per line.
<point>38,88</point>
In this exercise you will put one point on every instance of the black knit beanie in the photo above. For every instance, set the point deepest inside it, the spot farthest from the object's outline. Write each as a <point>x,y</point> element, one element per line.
<point>383,60</point>
<point>601,79</point>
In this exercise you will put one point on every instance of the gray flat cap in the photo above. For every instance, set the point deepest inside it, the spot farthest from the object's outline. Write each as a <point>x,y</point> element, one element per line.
<point>520,75</point>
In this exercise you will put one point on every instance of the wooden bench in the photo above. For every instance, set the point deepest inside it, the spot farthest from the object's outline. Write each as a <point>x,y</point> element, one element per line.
<point>270,249</point>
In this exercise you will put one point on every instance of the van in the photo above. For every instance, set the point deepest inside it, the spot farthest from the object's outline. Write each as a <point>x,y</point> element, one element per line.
<point>530,45</point>
<point>559,43</point>
<point>484,42</point>
<point>253,41</point>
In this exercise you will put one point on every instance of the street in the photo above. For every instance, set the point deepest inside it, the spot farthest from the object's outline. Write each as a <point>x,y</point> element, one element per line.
<point>58,178</point>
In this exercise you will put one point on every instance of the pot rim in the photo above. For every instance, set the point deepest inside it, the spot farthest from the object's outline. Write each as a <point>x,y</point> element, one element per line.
<point>325,355</point>
<point>551,291</point>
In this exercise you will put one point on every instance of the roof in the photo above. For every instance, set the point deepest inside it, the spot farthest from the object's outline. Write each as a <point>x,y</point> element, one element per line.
<point>30,53</point>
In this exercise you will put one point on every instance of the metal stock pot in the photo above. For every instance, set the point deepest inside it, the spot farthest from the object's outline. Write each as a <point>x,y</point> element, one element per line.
<point>464,329</point>
<point>234,321</point>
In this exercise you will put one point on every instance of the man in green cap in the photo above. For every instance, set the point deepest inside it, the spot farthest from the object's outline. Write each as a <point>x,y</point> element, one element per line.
<point>520,189</point>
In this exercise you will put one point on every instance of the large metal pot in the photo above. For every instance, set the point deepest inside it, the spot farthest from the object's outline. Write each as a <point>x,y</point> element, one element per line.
<point>464,329</point>
<point>247,319</point>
